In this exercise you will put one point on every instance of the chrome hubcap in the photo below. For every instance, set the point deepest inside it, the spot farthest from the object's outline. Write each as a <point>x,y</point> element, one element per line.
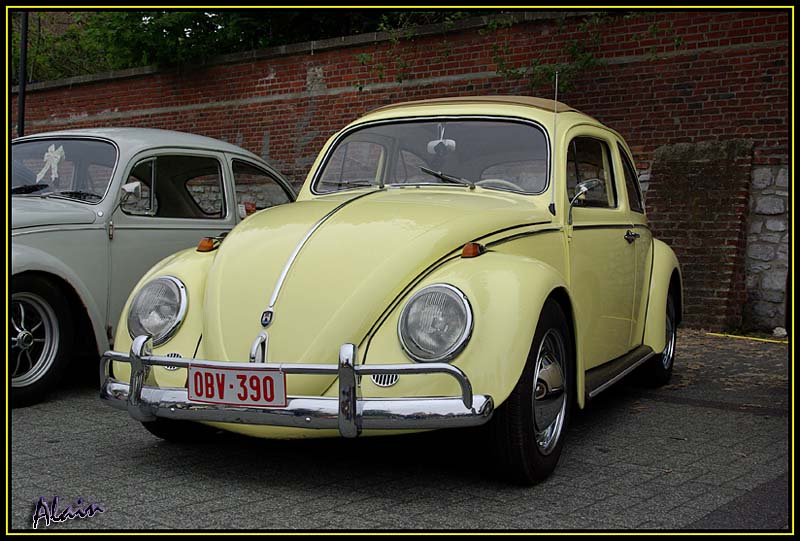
<point>549,391</point>
<point>34,339</point>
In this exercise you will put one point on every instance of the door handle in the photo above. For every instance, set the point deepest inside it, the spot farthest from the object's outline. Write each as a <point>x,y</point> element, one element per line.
<point>630,236</point>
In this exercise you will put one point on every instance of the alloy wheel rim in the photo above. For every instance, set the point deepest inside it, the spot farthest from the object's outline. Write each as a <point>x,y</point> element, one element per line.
<point>33,328</point>
<point>549,391</point>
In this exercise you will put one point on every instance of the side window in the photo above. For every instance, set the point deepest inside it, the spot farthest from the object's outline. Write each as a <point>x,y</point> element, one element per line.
<point>631,182</point>
<point>177,187</point>
<point>355,162</point>
<point>256,189</point>
<point>589,158</point>
<point>407,169</point>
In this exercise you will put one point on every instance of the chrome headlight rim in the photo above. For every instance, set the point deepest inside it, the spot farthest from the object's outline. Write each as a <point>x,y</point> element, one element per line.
<point>452,352</point>
<point>182,308</point>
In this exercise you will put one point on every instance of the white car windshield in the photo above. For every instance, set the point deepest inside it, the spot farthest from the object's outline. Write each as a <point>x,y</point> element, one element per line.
<point>496,154</point>
<point>79,169</point>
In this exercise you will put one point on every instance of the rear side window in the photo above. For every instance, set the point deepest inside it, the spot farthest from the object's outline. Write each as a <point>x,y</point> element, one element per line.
<point>631,182</point>
<point>256,189</point>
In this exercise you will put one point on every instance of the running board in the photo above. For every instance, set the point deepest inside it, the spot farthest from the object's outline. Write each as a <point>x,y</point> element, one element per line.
<point>602,377</point>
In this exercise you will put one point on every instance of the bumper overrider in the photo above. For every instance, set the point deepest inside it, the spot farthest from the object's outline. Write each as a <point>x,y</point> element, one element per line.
<point>349,413</point>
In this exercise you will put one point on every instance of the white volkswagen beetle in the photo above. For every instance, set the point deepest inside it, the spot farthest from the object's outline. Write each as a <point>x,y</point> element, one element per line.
<point>91,211</point>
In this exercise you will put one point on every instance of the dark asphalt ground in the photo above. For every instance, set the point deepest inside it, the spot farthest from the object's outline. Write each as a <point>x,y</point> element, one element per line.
<point>709,452</point>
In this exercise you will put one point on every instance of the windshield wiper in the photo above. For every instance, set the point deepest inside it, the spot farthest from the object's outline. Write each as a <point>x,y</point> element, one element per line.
<point>28,188</point>
<point>78,195</point>
<point>449,178</point>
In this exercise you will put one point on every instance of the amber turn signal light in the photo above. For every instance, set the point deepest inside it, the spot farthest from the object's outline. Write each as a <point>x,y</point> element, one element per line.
<point>472,249</point>
<point>207,244</point>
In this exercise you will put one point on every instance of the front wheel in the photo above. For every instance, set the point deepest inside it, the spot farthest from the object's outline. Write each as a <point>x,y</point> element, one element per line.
<point>41,333</point>
<point>529,427</point>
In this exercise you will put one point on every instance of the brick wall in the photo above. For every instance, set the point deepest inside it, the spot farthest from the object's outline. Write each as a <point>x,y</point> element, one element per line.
<point>728,79</point>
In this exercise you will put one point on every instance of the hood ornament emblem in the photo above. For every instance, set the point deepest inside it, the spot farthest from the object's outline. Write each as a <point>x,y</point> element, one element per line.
<point>266,318</point>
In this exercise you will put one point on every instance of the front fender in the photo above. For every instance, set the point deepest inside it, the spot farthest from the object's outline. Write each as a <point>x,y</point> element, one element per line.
<point>506,293</point>
<point>26,258</point>
<point>191,268</point>
<point>665,264</point>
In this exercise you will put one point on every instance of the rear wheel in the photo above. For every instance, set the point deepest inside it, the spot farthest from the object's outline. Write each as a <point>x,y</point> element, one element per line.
<point>529,427</point>
<point>658,369</point>
<point>41,333</point>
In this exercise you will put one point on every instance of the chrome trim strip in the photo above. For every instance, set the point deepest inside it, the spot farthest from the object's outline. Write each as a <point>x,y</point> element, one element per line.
<point>37,229</point>
<point>619,376</point>
<point>282,278</point>
<point>347,412</point>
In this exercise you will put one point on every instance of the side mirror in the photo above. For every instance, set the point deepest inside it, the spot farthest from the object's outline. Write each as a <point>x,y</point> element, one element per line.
<point>580,190</point>
<point>131,189</point>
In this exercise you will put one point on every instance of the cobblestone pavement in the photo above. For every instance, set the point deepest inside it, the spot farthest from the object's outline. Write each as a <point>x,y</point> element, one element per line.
<point>710,451</point>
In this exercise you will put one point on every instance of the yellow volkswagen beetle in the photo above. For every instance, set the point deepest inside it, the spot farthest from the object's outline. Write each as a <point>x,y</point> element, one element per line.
<point>448,263</point>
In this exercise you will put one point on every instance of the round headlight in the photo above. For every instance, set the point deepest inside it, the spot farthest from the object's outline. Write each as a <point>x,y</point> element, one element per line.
<point>435,324</point>
<point>157,309</point>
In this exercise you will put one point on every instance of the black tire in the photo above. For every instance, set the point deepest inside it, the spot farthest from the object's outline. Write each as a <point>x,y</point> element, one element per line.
<point>177,431</point>
<point>41,334</point>
<point>521,458</point>
<point>658,369</point>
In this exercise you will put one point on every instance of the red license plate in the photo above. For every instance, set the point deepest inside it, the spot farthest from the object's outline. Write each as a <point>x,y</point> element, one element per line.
<point>264,387</point>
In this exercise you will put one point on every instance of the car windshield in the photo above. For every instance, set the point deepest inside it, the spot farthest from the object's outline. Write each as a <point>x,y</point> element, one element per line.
<point>497,154</point>
<point>78,169</point>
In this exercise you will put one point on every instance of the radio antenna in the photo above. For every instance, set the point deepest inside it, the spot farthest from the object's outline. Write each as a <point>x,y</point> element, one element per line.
<point>552,206</point>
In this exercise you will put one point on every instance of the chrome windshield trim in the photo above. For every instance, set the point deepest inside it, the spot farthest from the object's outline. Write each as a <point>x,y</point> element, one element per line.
<point>268,315</point>
<point>450,117</point>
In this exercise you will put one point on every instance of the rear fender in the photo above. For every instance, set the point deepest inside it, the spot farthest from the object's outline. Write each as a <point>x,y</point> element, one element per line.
<point>665,266</point>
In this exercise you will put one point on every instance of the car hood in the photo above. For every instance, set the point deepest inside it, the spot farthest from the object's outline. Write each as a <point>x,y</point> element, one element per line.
<point>38,211</point>
<point>347,273</point>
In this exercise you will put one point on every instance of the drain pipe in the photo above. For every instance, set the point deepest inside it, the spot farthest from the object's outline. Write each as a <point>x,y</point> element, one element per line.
<point>23,59</point>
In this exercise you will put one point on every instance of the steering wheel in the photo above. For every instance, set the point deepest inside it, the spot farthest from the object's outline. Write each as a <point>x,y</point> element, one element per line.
<point>500,182</point>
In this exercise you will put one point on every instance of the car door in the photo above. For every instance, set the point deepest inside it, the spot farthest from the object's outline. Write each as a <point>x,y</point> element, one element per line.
<point>601,260</point>
<point>182,196</point>
<point>642,240</point>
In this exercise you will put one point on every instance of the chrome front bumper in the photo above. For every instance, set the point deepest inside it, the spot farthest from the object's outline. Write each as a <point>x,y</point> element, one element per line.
<point>348,413</point>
